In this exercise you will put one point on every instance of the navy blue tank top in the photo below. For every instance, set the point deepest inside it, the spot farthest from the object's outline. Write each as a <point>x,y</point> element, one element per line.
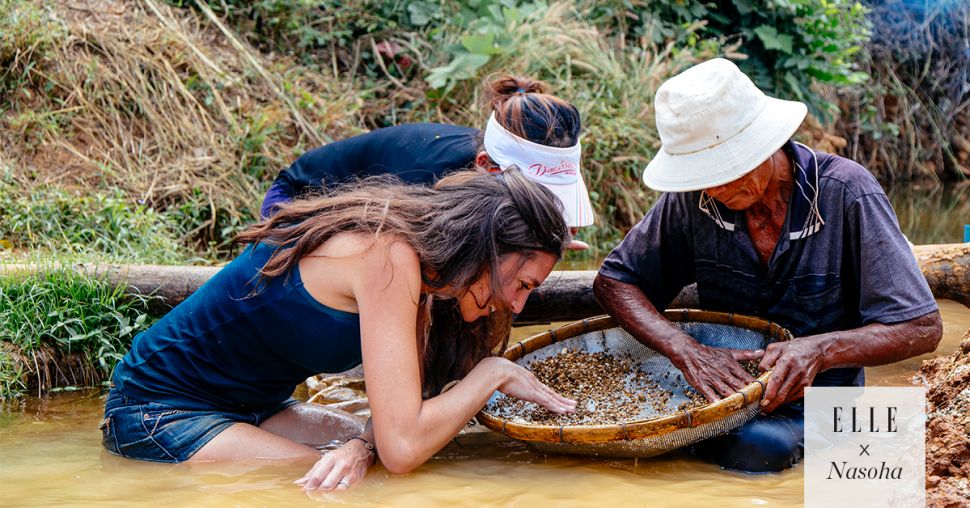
<point>227,348</point>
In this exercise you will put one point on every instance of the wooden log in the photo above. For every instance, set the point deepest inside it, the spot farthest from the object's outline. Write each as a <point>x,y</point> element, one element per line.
<point>564,296</point>
<point>947,270</point>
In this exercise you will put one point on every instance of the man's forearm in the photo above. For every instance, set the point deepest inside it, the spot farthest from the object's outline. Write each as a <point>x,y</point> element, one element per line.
<point>632,310</point>
<point>714,372</point>
<point>879,344</point>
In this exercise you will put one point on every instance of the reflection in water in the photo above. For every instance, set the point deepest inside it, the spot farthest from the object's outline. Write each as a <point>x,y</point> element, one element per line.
<point>50,454</point>
<point>932,214</point>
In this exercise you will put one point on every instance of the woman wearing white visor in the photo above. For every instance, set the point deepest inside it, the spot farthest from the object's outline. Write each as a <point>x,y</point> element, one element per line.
<point>528,128</point>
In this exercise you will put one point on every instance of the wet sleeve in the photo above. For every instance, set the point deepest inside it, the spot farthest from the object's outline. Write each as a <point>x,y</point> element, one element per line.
<point>657,254</point>
<point>891,287</point>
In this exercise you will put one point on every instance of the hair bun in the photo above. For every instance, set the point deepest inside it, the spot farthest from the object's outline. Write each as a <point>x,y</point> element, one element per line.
<point>501,88</point>
<point>524,107</point>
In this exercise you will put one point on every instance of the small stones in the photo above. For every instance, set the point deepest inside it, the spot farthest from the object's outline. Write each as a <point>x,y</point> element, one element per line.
<point>695,400</point>
<point>608,389</point>
<point>595,380</point>
<point>751,367</point>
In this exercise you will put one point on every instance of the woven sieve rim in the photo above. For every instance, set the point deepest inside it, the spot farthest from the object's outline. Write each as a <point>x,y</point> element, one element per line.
<point>638,429</point>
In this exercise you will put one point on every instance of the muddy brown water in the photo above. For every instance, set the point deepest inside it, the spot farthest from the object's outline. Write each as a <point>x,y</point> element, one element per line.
<point>50,455</point>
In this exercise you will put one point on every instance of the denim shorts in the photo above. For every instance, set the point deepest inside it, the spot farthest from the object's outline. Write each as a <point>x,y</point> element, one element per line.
<point>162,433</point>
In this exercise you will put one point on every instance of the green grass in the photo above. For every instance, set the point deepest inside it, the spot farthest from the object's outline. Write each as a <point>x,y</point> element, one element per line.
<point>61,328</point>
<point>102,226</point>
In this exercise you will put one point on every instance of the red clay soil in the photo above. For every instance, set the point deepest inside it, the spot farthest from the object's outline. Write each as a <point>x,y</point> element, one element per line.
<point>947,381</point>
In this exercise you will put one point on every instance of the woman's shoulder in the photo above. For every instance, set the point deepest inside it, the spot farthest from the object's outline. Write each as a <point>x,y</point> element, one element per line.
<point>350,265</point>
<point>373,251</point>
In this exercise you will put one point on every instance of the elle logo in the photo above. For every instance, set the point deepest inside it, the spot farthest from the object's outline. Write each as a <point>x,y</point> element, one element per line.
<point>857,420</point>
<point>864,447</point>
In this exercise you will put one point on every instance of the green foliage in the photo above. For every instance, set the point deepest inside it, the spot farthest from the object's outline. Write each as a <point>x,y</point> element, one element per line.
<point>208,231</point>
<point>106,225</point>
<point>27,31</point>
<point>789,45</point>
<point>485,30</point>
<point>57,309</point>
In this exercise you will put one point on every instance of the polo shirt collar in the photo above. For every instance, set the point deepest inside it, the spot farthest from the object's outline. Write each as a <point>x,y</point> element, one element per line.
<point>805,216</point>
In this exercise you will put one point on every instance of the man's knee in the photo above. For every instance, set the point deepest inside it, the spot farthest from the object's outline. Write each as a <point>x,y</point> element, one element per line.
<point>765,444</point>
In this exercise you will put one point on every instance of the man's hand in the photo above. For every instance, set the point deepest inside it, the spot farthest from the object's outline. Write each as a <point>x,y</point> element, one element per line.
<point>794,365</point>
<point>338,469</point>
<point>715,371</point>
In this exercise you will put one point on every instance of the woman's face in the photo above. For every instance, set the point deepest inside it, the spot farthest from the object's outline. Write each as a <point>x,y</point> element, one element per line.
<point>519,279</point>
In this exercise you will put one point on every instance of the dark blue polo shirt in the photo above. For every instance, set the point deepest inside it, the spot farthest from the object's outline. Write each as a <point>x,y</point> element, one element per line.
<point>418,153</point>
<point>841,262</point>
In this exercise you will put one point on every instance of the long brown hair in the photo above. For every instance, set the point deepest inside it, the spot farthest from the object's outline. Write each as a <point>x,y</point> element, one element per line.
<point>461,229</point>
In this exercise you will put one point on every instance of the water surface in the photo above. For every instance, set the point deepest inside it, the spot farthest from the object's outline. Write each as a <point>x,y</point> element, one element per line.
<point>51,455</point>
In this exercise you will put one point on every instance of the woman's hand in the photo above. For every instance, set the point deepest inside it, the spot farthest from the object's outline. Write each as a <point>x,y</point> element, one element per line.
<point>338,469</point>
<point>523,385</point>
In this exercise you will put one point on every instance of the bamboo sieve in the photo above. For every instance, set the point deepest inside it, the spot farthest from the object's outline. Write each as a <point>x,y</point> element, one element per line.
<point>652,433</point>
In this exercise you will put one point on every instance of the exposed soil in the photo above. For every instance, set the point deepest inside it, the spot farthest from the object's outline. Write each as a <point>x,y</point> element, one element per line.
<point>47,367</point>
<point>947,380</point>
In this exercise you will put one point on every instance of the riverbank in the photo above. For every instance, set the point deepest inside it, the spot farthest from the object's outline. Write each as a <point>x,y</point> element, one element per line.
<point>947,380</point>
<point>57,320</point>
<point>149,130</point>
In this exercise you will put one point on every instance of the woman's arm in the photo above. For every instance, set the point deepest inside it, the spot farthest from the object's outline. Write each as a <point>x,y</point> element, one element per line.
<point>408,430</point>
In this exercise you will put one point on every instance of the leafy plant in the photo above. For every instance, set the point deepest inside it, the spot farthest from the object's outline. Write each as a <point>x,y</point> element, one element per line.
<point>788,45</point>
<point>486,31</point>
<point>58,327</point>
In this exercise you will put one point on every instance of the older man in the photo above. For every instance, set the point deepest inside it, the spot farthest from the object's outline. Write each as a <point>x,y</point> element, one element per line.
<point>768,227</point>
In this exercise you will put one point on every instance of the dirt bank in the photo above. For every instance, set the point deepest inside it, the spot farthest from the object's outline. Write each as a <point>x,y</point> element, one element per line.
<point>947,380</point>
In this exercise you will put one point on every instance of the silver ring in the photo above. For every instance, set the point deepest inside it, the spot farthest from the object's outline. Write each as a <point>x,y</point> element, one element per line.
<point>345,483</point>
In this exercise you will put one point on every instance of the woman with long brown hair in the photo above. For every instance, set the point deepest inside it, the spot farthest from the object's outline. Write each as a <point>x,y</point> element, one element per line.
<point>528,128</point>
<point>417,283</point>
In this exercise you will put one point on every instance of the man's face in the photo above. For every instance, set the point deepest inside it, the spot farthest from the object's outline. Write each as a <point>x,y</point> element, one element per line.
<point>745,191</point>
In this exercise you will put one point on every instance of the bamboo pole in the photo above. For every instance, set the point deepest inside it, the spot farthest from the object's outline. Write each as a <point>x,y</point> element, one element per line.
<point>564,296</point>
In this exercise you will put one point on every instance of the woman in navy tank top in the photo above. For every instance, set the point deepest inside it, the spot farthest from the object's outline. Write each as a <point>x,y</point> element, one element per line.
<point>417,283</point>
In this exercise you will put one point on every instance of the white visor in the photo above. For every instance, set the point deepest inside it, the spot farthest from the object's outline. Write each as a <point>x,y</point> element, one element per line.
<point>557,169</point>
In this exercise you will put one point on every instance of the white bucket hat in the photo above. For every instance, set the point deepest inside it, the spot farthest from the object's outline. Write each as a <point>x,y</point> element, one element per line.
<point>555,168</point>
<point>715,126</point>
